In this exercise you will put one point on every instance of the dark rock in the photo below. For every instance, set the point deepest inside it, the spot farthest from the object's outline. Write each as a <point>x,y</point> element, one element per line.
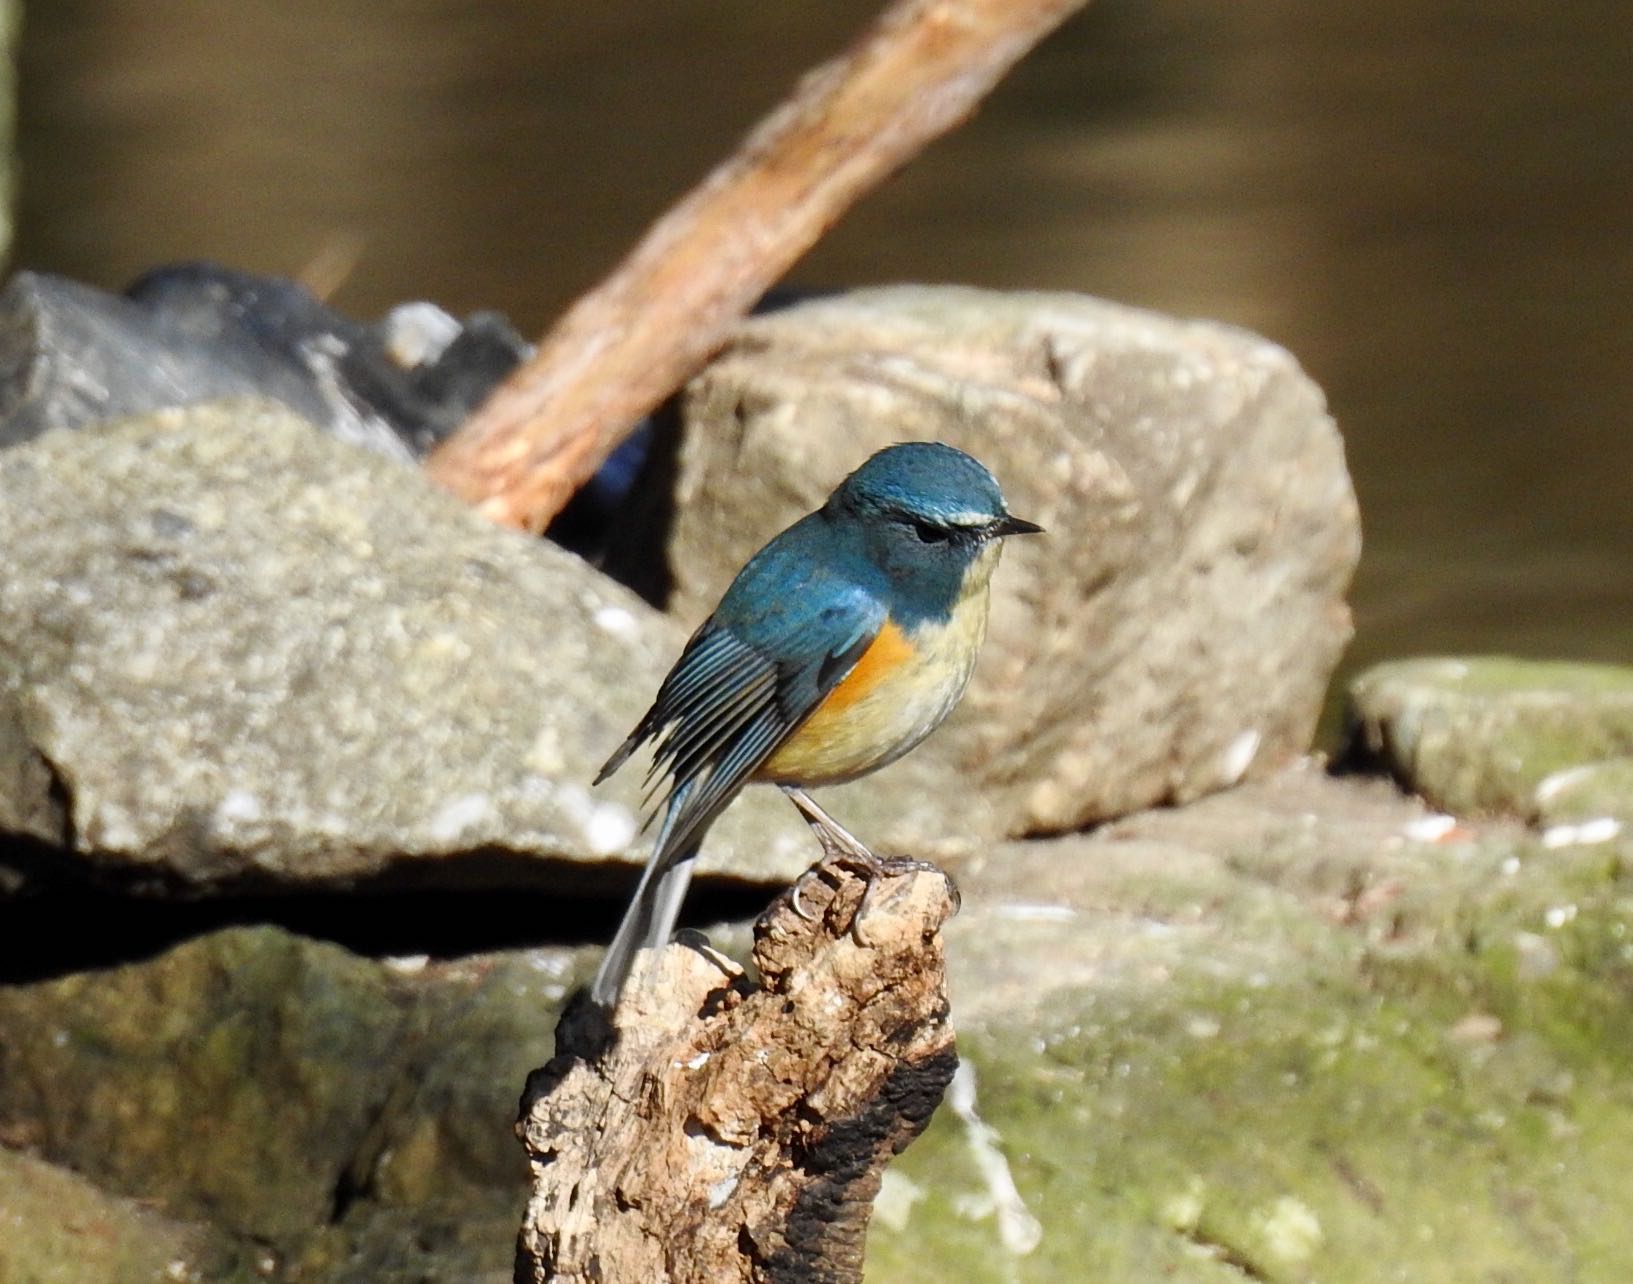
<point>71,355</point>
<point>419,370</point>
<point>444,389</point>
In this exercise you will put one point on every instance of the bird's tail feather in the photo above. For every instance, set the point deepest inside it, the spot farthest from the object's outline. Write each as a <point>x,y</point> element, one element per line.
<point>649,921</point>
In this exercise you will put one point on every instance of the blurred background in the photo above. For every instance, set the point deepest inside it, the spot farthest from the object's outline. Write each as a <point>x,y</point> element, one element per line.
<point>1430,205</point>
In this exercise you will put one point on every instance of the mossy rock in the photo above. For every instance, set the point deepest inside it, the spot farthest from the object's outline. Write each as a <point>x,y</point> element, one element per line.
<point>1347,1055</point>
<point>58,1228</point>
<point>341,1114</point>
<point>1486,734</point>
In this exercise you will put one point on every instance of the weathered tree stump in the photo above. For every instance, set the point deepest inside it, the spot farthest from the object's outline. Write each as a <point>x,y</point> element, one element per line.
<point>719,1132</point>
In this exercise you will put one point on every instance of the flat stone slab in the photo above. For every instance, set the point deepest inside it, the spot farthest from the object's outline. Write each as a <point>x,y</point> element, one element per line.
<point>1303,1029</point>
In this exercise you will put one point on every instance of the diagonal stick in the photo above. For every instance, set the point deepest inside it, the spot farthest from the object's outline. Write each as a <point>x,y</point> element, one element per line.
<point>632,340</point>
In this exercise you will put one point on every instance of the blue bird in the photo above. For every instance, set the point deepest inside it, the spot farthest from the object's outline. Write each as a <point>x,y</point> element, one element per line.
<point>839,646</point>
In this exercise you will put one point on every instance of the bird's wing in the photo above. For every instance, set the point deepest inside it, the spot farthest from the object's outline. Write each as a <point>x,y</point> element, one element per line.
<point>745,681</point>
<point>786,633</point>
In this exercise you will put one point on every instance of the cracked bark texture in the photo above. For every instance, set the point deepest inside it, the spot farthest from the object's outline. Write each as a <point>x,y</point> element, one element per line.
<point>719,1132</point>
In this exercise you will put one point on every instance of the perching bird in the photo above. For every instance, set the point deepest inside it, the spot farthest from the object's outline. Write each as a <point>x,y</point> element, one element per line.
<point>841,645</point>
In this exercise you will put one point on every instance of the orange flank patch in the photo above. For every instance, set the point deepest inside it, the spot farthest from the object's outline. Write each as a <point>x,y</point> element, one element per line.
<point>884,656</point>
<point>847,733</point>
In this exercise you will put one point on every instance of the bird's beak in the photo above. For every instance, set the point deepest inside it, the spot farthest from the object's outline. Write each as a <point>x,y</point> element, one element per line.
<point>1007,525</point>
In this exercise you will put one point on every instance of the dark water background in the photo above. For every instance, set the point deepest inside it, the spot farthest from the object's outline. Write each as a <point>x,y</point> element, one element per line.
<point>1431,205</point>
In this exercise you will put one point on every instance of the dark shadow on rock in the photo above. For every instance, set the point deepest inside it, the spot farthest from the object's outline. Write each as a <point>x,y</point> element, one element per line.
<point>636,553</point>
<point>74,925</point>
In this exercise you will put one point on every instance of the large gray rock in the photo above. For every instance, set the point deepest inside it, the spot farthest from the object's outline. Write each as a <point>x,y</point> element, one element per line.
<point>1546,740</point>
<point>1175,629</point>
<point>233,651</point>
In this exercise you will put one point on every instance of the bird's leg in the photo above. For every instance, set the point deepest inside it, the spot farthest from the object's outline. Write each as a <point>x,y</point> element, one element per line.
<point>838,843</point>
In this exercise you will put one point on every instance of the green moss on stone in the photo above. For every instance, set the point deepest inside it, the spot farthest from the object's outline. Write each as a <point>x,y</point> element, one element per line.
<point>1452,1107</point>
<point>1482,734</point>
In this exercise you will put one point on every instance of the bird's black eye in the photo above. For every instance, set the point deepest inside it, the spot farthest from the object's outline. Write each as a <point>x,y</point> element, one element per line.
<point>929,533</point>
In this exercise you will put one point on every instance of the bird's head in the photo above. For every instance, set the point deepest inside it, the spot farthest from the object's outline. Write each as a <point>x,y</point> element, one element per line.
<point>929,516</point>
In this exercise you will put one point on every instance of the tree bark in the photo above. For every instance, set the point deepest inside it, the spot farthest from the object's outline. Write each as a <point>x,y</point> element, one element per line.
<point>719,1133</point>
<point>634,339</point>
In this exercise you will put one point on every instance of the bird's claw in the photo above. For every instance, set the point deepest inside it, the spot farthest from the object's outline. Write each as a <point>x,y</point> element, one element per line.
<point>843,850</point>
<point>872,871</point>
<point>895,867</point>
<point>867,865</point>
<point>794,900</point>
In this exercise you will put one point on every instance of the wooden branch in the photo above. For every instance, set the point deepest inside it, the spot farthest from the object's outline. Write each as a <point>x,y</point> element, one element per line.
<point>720,1134</point>
<point>629,343</point>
